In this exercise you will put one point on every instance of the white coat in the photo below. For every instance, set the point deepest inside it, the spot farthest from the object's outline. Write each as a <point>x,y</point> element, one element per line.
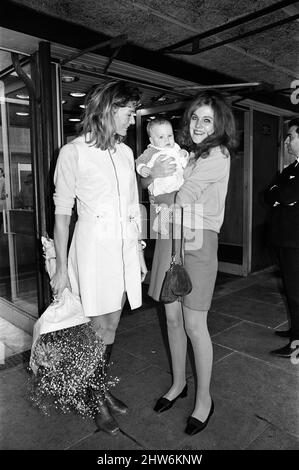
<point>103,260</point>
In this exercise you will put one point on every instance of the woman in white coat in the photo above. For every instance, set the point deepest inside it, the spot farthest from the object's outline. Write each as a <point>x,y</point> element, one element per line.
<point>105,261</point>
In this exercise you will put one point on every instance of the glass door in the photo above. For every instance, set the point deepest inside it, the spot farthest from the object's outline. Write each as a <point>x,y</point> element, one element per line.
<point>233,246</point>
<point>18,279</point>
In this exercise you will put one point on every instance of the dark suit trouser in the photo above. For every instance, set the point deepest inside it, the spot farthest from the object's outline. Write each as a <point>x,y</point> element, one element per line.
<point>289,266</point>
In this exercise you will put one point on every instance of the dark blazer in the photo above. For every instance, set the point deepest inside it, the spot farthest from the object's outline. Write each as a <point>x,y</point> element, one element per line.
<point>283,196</point>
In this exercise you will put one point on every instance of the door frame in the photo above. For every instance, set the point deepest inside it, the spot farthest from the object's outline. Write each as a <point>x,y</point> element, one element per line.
<point>44,87</point>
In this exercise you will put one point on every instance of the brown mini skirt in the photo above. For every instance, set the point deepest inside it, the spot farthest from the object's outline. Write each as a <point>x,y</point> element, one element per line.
<point>201,265</point>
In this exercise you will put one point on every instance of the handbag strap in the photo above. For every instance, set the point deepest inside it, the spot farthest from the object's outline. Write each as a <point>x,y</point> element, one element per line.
<point>173,251</point>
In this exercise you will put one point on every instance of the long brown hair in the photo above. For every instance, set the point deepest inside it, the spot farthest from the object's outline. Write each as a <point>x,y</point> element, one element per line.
<point>224,125</point>
<point>100,105</point>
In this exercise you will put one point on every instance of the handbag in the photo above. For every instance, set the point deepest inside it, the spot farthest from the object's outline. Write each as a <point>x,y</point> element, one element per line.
<point>177,282</point>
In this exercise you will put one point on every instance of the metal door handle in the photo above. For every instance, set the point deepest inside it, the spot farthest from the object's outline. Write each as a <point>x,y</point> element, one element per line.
<point>4,221</point>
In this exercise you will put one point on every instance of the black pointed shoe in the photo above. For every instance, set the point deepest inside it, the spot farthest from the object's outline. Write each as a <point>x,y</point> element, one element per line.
<point>285,351</point>
<point>164,404</point>
<point>195,425</point>
<point>283,333</point>
<point>115,405</point>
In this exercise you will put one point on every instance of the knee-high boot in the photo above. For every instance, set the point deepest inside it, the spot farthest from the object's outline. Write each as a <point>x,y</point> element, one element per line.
<point>114,404</point>
<point>103,418</point>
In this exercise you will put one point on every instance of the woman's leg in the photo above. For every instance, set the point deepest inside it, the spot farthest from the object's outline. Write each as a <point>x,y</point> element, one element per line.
<point>105,326</point>
<point>197,330</point>
<point>178,347</point>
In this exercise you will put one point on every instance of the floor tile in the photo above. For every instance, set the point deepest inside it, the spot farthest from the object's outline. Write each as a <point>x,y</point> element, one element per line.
<point>144,342</point>
<point>231,287</point>
<point>229,428</point>
<point>8,351</point>
<point>249,309</point>
<point>14,338</point>
<point>138,317</point>
<point>265,293</point>
<point>274,438</point>
<point>19,342</point>
<point>218,322</point>
<point>123,363</point>
<point>102,441</point>
<point>259,389</point>
<point>152,430</point>
<point>24,427</point>
<point>256,341</point>
<point>150,344</point>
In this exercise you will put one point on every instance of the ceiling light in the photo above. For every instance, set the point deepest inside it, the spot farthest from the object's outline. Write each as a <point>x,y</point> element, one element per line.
<point>19,113</point>
<point>77,94</point>
<point>74,119</point>
<point>69,78</point>
<point>63,101</point>
<point>82,106</point>
<point>162,98</point>
<point>22,96</point>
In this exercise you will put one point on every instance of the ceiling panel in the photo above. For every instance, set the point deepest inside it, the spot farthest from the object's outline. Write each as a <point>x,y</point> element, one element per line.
<point>270,56</point>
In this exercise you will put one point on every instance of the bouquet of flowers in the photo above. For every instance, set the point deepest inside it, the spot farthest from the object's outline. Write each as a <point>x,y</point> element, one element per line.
<point>66,360</point>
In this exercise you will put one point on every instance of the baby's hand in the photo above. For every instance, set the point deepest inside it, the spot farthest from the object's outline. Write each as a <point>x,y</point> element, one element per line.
<point>184,154</point>
<point>145,171</point>
<point>184,157</point>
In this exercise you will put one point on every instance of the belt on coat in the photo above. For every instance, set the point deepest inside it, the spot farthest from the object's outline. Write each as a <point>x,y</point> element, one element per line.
<point>100,217</point>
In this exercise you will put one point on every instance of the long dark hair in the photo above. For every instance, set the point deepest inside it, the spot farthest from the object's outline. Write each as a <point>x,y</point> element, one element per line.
<point>224,125</point>
<point>100,104</point>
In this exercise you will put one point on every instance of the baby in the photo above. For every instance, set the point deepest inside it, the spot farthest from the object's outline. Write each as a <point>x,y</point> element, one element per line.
<point>162,142</point>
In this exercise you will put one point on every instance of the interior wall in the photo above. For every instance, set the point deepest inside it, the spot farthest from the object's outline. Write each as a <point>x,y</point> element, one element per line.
<point>231,233</point>
<point>266,148</point>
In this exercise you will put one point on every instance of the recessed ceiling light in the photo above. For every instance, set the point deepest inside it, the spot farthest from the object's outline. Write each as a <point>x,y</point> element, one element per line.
<point>162,98</point>
<point>22,96</point>
<point>63,101</point>
<point>69,78</point>
<point>82,106</point>
<point>74,119</point>
<point>19,113</point>
<point>77,94</point>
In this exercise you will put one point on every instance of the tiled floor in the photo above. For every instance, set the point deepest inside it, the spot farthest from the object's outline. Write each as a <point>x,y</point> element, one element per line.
<point>14,339</point>
<point>256,395</point>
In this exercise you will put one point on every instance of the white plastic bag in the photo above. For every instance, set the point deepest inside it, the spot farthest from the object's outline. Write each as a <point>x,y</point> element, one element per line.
<point>63,313</point>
